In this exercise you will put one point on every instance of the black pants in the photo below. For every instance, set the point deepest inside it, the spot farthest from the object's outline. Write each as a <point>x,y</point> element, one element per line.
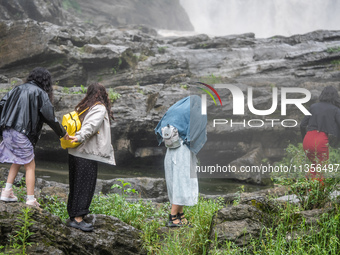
<point>82,179</point>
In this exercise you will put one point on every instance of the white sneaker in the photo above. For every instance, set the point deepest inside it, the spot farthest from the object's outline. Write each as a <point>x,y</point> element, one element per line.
<point>33,203</point>
<point>8,196</point>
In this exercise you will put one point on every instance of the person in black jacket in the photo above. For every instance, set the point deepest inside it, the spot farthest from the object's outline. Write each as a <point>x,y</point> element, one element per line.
<point>23,111</point>
<point>322,127</point>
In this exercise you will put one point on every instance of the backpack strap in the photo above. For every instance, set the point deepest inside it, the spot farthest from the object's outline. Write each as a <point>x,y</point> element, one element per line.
<point>89,107</point>
<point>83,111</point>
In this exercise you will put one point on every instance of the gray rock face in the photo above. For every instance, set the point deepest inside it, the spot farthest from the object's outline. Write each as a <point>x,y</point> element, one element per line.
<point>149,188</point>
<point>237,224</point>
<point>254,215</point>
<point>157,14</point>
<point>247,220</point>
<point>152,72</point>
<point>38,10</point>
<point>52,236</point>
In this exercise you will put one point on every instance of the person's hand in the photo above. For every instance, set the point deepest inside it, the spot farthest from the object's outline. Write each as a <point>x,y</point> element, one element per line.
<point>73,139</point>
<point>66,137</point>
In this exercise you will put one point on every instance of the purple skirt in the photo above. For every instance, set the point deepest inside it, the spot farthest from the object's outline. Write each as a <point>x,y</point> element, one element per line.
<point>15,148</point>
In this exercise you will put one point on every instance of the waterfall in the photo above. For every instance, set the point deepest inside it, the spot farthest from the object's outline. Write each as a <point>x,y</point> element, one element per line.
<point>265,18</point>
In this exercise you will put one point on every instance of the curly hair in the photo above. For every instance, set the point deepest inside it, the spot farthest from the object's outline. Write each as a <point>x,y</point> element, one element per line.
<point>330,94</point>
<point>43,79</point>
<point>95,93</point>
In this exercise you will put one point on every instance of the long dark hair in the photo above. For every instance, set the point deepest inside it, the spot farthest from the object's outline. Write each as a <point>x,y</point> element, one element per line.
<point>96,93</point>
<point>43,79</point>
<point>330,95</point>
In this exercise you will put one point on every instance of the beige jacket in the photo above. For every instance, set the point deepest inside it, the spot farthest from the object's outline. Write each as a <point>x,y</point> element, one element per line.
<point>95,136</point>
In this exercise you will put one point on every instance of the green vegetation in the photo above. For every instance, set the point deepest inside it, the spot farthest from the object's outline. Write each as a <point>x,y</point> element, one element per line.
<point>185,86</point>
<point>203,45</point>
<point>71,4</point>
<point>335,63</point>
<point>238,198</point>
<point>292,234</point>
<point>83,90</point>
<point>4,90</point>
<point>145,216</point>
<point>115,69</point>
<point>288,233</point>
<point>124,188</point>
<point>142,57</point>
<point>211,79</point>
<point>333,49</point>
<point>20,190</point>
<point>66,90</point>
<point>312,192</point>
<point>81,49</point>
<point>113,95</point>
<point>161,50</point>
<point>140,89</point>
<point>19,242</point>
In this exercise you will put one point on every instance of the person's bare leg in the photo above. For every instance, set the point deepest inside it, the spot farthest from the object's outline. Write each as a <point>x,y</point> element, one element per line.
<point>78,218</point>
<point>13,171</point>
<point>30,177</point>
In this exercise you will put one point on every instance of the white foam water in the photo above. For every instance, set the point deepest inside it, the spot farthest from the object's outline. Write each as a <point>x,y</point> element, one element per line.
<point>265,18</point>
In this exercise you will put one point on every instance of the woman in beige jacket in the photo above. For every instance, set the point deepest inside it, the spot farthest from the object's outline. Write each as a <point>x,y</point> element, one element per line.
<point>95,139</point>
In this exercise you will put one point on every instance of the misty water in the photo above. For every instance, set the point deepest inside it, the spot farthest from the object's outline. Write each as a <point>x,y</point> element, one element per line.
<point>265,18</point>
<point>58,171</point>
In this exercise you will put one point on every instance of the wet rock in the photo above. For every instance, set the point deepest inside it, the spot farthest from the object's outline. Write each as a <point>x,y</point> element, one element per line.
<point>38,10</point>
<point>246,219</point>
<point>238,224</point>
<point>251,159</point>
<point>160,15</point>
<point>55,191</point>
<point>52,236</point>
<point>151,188</point>
<point>293,199</point>
<point>262,203</point>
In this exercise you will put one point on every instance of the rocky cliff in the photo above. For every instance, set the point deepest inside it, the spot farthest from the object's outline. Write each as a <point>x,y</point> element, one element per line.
<point>151,72</point>
<point>158,14</point>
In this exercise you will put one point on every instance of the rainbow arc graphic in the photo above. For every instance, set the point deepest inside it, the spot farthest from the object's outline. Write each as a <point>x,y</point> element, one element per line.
<point>209,93</point>
<point>204,98</point>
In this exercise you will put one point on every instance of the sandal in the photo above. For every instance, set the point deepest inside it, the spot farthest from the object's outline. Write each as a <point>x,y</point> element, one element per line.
<point>173,218</point>
<point>183,220</point>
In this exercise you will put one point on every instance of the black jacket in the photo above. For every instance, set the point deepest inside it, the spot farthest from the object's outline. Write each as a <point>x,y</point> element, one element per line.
<point>326,118</point>
<point>25,109</point>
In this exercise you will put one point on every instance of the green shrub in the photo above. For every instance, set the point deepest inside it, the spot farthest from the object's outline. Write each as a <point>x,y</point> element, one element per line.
<point>313,192</point>
<point>113,95</point>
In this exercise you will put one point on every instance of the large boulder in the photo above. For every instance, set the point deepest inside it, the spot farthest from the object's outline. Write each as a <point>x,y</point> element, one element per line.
<point>238,224</point>
<point>38,10</point>
<point>158,14</point>
<point>52,236</point>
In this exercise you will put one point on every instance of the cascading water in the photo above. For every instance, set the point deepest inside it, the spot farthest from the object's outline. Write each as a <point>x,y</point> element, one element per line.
<point>265,18</point>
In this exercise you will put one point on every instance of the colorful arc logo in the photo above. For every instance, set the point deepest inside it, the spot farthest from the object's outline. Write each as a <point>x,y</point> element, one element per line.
<point>204,97</point>
<point>208,92</point>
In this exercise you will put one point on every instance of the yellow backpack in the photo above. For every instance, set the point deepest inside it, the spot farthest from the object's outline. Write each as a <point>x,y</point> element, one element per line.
<point>72,124</point>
